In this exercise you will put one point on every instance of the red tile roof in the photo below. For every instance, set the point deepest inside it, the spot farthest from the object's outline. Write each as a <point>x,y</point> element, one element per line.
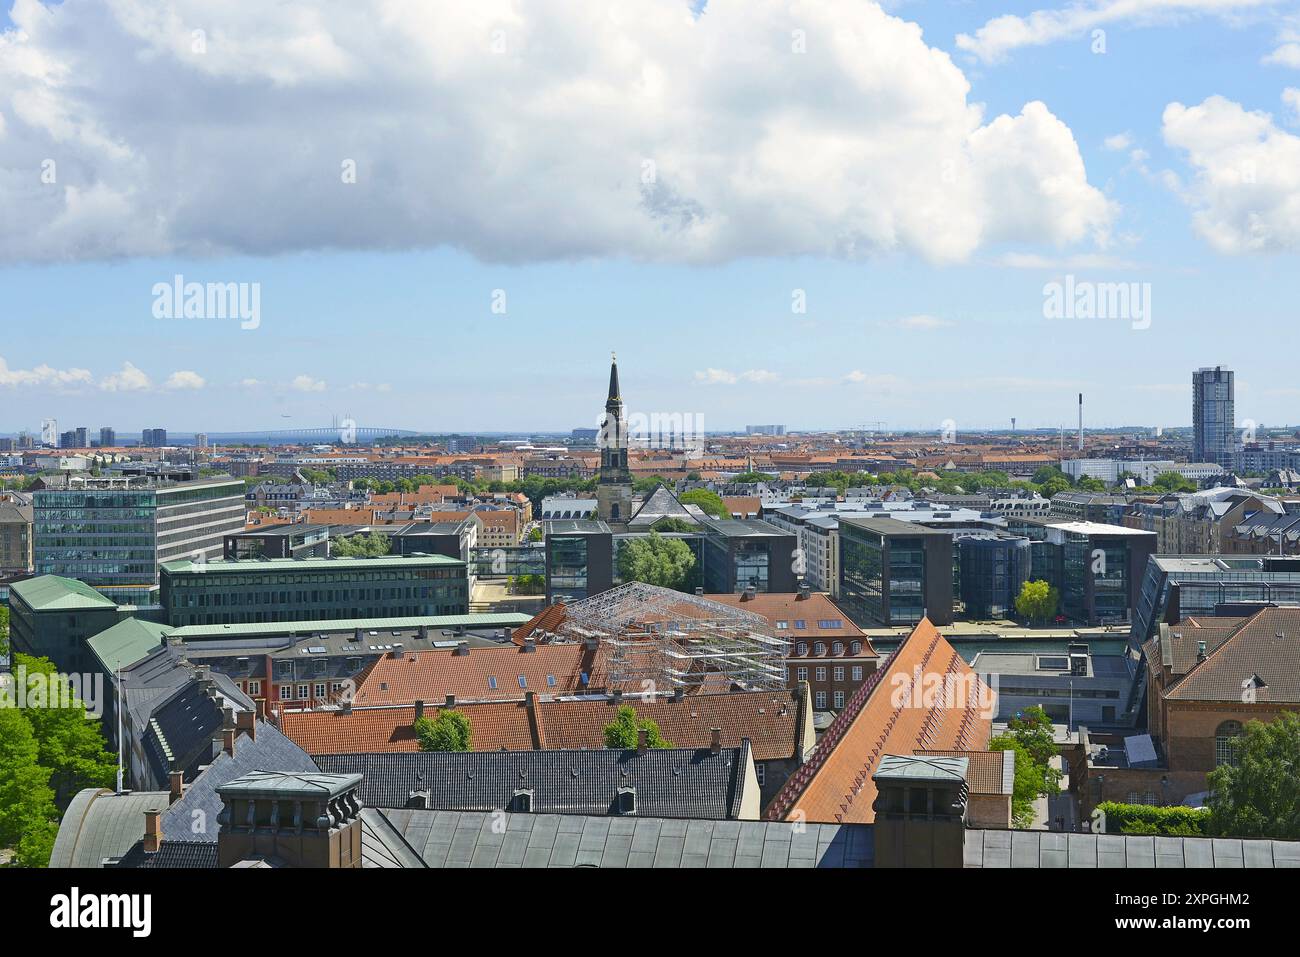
<point>902,707</point>
<point>485,674</point>
<point>493,726</point>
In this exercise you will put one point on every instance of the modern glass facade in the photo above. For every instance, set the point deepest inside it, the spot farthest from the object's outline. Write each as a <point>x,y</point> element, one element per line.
<point>747,553</point>
<point>1213,417</point>
<point>229,593</point>
<point>114,537</point>
<point>992,571</point>
<point>895,573</point>
<point>568,569</point>
<point>1178,586</point>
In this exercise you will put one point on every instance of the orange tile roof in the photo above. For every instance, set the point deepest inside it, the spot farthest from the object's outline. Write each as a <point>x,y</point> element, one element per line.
<point>770,719</point>
<point>432,675</point>
<point>896,711</point>
<point>789,608</point>
<point>493,726</point>
<point>984,772</point>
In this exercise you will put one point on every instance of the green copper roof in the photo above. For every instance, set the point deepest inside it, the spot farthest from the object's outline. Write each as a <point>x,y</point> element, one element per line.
<point>895,767</point>
<point>182,565</point>
<point>55,593</point>
<point>495,620</point>
<point>126,643</point>
<point>277,784</point>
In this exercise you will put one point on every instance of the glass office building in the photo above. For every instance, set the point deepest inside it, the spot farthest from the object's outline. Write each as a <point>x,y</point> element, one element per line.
<point>114,533</point>
<point>1177,586</point>
<point>313,589</point>
<point>992,569</point>
<point>747,553</point>
<point>895,573</point>
<point>579,559</point>
<point>1214,427</point>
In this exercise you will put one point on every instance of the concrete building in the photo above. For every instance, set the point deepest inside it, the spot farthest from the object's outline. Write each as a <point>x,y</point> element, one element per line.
<point>1214,423</point>
<point>15,538</point>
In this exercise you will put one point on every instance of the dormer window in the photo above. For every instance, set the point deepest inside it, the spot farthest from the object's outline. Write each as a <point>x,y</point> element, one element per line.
<point>838,647</point>
<point>801,648</point>
<point>819,648</point>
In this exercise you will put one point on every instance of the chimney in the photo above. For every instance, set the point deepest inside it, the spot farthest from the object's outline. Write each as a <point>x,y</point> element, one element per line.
<point>259,704</point>
<point>618,696</point>
<point>346,706</point>
<point>1200,651</point>
<point>590,643</point>
<point>677,695</point>
<point>699,589</point>
<point>246,722</point>
<point>715,740</point>
<point>152,831</point>
<point>642,741</point>
<point>177,781</point>
<point>803,592</point>
<point>508,634</point>
<point>419,710</point>
<point>424,631</point>
<point>450,703</point>
<point>462,648</point>
<point>314,824</point>
<point>529,645</point>
<point>748,593</point>
<point>228,740</point>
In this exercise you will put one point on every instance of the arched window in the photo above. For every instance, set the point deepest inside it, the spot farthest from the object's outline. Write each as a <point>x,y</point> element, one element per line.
<point>801,648</point>
<point>819,648</point>
<point>1224,736</point>
<point>838,647</point>
<point>856,648</point>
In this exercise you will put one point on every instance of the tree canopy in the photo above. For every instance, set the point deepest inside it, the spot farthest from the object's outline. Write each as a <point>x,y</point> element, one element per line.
<point>1037,601</point>
<point>1029,735</point>
<point>709,502</point>
<point>621,733</point>
<point>655,560</point>
<point>1257,794</point>
<point>450,731</point>
<point>369,545</point>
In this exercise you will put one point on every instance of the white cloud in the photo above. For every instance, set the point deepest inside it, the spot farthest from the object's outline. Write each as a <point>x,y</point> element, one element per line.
<point>726,377</point>
<point>129,379</point>
<point>249,383</point>
<point>1246,184</point>
<point>1004,34</point>
<point>642,132</point>
<point>184,379</point>
<point>1288,54</point>
<point>1291,97</point>
<point>43,375</point>
<point>924,323</point>
<point>305,383</point>
<point>1081,261</point>
<point>1120,141</point>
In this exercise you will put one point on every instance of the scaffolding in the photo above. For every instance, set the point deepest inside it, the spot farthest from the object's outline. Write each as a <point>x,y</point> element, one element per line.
<point>662,641</point>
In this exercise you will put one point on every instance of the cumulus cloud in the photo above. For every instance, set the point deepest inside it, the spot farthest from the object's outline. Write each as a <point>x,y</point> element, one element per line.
<point>726,377</point>
<point>128,379</point>
<point>1120,141</point>
<point>518,130</point>
<point>1005,34</point>
<point>1245,187</point>
<point>305,383</point>
<point>184,379</point>
<point>43,375</point>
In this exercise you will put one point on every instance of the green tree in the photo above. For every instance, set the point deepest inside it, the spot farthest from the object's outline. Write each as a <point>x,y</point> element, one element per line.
<point>1089,484</point>
<point>1029,735</point>
<point>1054,486</point>
<point>1037,601</point>
<point>709,502</point>
<point>450,731</point>
<point>72,747</point>
<point>1173,482</point>
<point>369,545</point>
<point>1258,793</point>
<point>747,477</point>
<point>4,630</point>
<point>28,815</point>
<point>536,534</point>
<point>655,560</point>
<point>621,733</point>
<point>673,524</point>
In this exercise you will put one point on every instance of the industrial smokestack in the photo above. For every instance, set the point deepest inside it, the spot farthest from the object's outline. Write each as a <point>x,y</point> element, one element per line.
<point>1080,421</point>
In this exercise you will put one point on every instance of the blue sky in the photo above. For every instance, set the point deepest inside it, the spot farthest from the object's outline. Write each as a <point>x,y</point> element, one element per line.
<point>400,331</point>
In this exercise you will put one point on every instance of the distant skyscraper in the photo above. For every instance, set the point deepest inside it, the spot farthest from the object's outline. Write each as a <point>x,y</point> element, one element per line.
<point>50,432</point>
<point>154,438</point>
<point>82,440</point>
<point>201,440</point>
<point>68,440</point>
<point>107,438</point>
<point>1214,422</point>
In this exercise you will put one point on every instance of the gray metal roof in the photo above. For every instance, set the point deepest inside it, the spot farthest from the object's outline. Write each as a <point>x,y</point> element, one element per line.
<point>478,839</point>
<point>1052,849</point>
<point>99,824</point>
<point>676,782</point>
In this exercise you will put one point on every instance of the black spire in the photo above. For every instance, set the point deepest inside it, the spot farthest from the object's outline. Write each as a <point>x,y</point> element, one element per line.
<point>614,395</point>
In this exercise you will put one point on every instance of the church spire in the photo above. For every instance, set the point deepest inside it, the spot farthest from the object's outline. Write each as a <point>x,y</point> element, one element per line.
<point>614,395</point>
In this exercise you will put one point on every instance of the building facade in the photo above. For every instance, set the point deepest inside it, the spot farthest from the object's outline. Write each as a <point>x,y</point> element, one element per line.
<point>1214,423</point>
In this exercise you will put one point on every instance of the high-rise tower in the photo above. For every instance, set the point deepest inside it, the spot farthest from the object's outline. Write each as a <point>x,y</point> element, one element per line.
<point>1214,436</point>
<point>614,488</point>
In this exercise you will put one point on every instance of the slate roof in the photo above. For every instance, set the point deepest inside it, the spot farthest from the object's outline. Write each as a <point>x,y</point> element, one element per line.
<point>889,714</point>
<point>468,839</point>
<point>668,782</point>
<point>1266,645</point>
<point>181,729</point>
<point>1054,849</point>
<point>194,816</point>
<point>660,504</point>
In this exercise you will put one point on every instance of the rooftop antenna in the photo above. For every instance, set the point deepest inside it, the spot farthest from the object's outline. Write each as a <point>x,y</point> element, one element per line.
<point>1080,421</point>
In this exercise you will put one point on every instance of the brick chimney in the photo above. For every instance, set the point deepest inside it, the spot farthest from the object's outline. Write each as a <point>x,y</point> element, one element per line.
<point>246,723</point>
<point>715,740</point>
<point>642,741</point>
<point>419,710</point>
<point>176,779</point>
<point>450,702</point>
<point>152,831</point>
<point>228,732</point>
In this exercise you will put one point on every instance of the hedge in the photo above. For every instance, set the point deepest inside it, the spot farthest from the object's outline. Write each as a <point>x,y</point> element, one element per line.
<point>1148,819</point>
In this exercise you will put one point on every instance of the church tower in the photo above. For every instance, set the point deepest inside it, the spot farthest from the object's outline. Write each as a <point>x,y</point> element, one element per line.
<point>614,488</point>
